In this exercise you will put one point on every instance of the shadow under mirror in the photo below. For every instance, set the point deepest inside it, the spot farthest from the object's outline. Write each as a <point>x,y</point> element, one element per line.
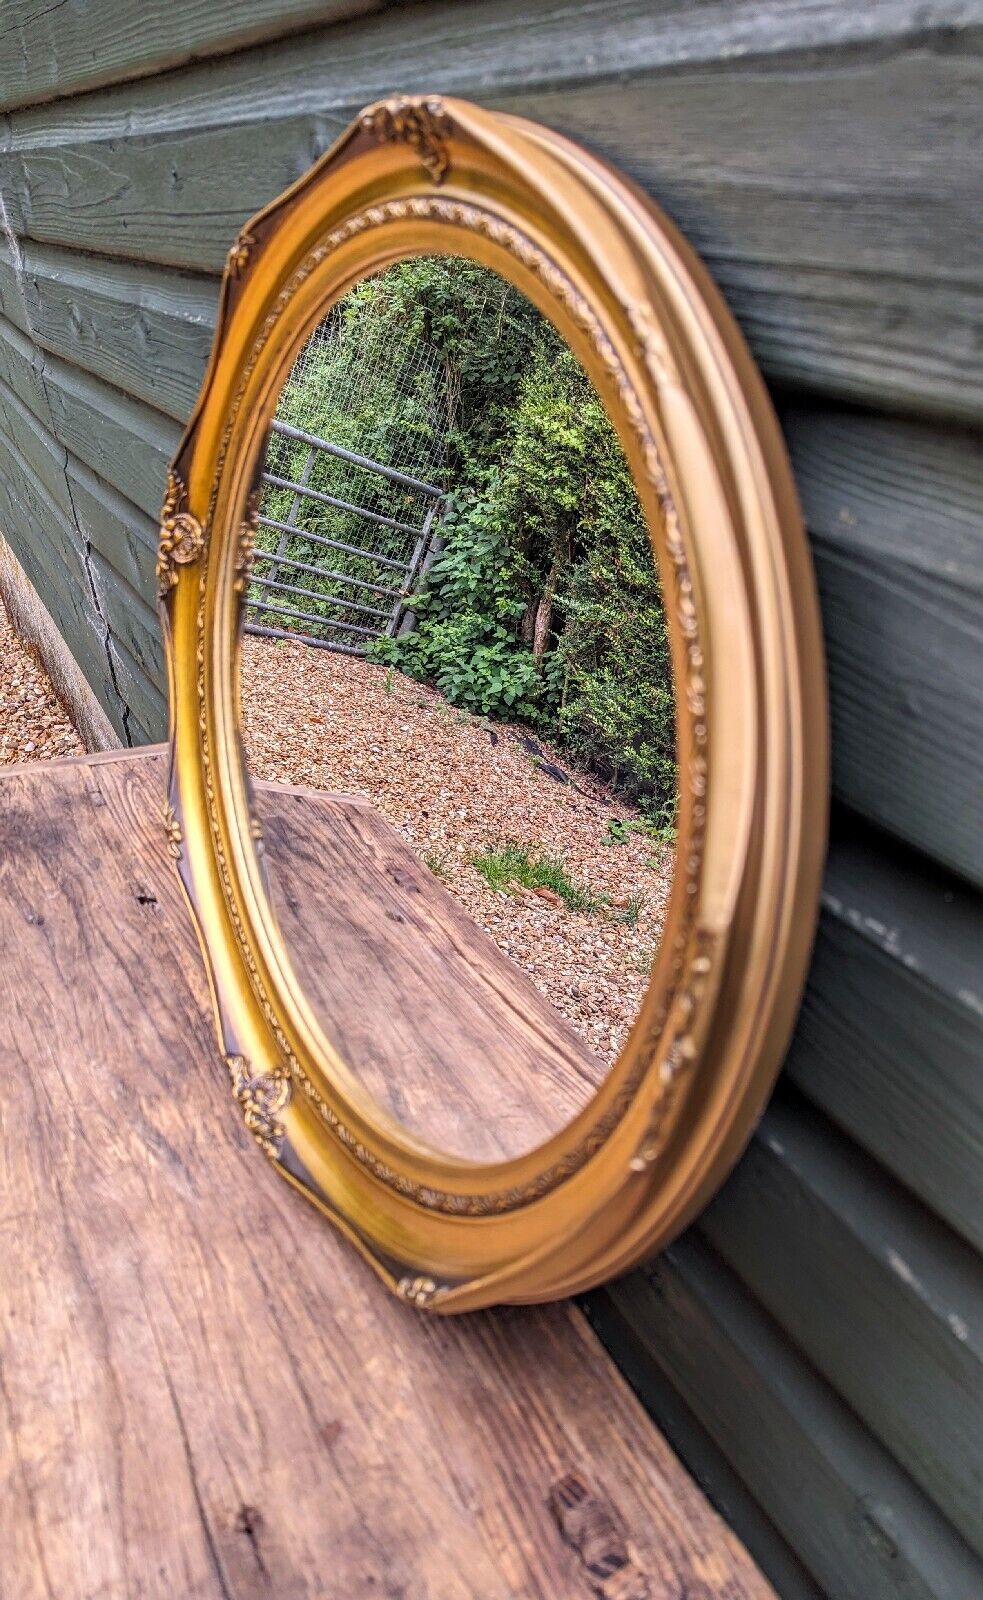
<point>458,708</point>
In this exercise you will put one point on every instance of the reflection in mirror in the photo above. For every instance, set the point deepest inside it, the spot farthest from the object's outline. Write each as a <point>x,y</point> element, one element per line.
<point>455,655</point>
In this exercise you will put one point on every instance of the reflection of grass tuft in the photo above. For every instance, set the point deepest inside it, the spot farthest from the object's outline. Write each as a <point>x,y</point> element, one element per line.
<point>630,913</point>
<point>512,863</point>
<point>438,861</point>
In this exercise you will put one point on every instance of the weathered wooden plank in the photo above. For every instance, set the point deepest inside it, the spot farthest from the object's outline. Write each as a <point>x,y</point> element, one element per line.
<point>447,1034</point>
<point>856,1521</point>
<point>145,331</point>
<point>834,190</point>
<point>50,551</point>
<point>50,507</point>
<point>133,623</point>
<point>713,1472</point>
<point>123,442</point>
<point>890,1036</point>
<point>838,1254</point>
<point>125,536</point>
<point>50,51</point>
<point>895,517</point>
<point>146,721</point>
<point>34,444</point>
<point>39,521</point>
<point>107,43</point>
<point>21,364</point>
<point>12,305</point>
<point>39,516</point>
<point>183,1318</point>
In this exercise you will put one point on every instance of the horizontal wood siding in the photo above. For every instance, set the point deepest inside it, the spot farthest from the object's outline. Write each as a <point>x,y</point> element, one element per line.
<point>813,1345</point>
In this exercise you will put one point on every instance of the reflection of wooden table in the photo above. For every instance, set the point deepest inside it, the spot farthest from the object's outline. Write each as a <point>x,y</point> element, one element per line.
<point>205,1392</point>
<point>447,1033</point>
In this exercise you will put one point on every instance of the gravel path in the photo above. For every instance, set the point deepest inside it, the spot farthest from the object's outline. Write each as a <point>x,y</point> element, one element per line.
<point>455,786</point>
<point>33,724</point>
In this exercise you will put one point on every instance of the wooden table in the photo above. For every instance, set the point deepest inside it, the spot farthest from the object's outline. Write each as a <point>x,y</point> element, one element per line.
<point>443,1029</point>
<point>205,1393</point>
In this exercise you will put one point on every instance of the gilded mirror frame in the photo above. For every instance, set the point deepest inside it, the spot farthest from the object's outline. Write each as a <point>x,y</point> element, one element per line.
<point>423,175</point>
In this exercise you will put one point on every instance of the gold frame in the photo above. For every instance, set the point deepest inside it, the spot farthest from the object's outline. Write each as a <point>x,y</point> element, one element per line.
<point>422,175</point>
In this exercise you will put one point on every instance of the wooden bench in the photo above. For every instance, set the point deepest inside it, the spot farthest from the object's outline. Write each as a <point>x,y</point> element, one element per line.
<point>205,1393</point>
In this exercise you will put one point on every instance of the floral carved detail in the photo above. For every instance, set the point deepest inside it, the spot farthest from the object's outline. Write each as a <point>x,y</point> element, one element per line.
<point>419,1291</point>
<point>422,124</point>
<point>172,828</point>
<point>238,257</point>
<point>261,1099</point>
<point>246,550</point>
<point>181,538</point>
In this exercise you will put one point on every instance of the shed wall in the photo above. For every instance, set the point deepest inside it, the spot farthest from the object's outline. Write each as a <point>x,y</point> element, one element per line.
<point>812,1347</point>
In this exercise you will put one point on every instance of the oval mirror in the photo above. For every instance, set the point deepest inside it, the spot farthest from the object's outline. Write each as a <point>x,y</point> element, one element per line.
<point>499,759</point>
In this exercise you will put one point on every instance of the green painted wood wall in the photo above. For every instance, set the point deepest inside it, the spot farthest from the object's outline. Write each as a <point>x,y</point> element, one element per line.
<point>812,1347</point>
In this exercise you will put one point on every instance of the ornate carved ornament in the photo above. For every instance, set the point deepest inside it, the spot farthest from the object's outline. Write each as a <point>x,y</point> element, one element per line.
<point>181,538</point>
<point>423,125</point>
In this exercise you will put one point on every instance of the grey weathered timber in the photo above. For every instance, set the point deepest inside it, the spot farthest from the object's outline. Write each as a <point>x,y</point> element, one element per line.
<point>895,517</point>
<point>837,1254</point>
<point>50,51</point>
<point>890,1036</point>
<point>125,536</point>
<point>145,329</point>
<point>147,703</point>
<point>123,442</point>
<point>47,545</point>
<point>858,1523</point>
<point>851,269</point>
<point>20,369</point>
<point>135,625</point>
<point>107,43</point>
<point>41,519</point>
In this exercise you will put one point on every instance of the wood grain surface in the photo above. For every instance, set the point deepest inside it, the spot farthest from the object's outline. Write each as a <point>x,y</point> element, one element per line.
<point>859,1525</point>
<point>205,1393</point>
<point>446,1032</point>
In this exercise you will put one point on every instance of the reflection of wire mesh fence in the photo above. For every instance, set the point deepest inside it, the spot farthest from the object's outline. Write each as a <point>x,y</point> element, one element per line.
<point>344,529</point>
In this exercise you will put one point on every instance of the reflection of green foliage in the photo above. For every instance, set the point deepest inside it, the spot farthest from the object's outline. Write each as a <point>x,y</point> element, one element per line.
<point>544,603</point>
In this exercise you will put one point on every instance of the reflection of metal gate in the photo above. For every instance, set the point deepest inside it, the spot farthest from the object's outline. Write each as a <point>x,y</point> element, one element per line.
<point>358,592</point>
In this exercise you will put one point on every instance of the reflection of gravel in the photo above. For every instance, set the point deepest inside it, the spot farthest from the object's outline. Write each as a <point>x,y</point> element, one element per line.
<point>454,786</point>
<point>33,724</point>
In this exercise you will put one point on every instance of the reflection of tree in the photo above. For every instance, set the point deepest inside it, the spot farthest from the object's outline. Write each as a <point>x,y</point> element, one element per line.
<point>544,602</point>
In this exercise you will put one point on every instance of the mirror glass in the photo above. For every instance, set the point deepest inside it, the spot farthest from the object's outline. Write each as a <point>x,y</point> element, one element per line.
<point>458,708</point>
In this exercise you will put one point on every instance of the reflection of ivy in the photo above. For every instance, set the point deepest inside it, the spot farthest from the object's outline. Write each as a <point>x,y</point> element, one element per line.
<point>545,602</point>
